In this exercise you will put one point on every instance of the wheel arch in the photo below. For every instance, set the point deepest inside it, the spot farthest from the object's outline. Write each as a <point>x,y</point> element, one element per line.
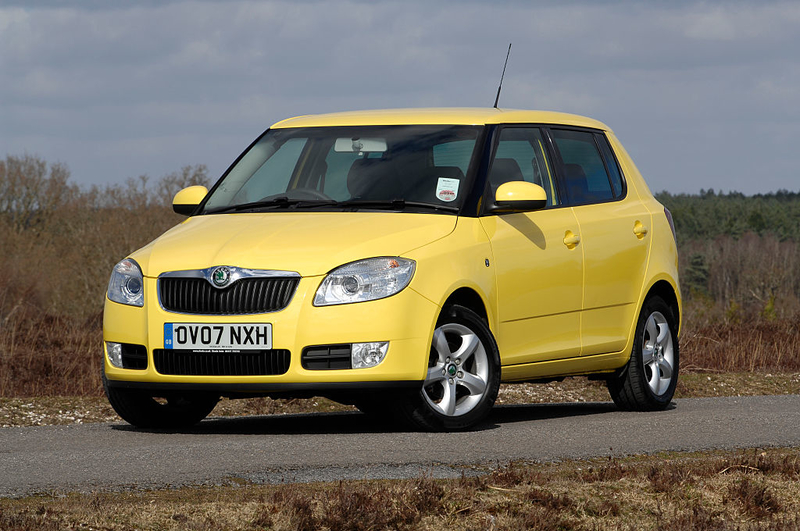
<point>667,293</point>
<point>469,298</point>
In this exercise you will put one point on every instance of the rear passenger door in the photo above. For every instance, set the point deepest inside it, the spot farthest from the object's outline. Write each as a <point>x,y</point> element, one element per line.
<point>614,227</point>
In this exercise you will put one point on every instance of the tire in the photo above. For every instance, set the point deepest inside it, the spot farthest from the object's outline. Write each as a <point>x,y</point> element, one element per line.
<point>142,410</point>
<point>463,375</point>
<point>647,382</point>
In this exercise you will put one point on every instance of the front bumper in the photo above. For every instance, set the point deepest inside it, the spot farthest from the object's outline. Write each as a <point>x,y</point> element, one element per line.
<point>406,320</point>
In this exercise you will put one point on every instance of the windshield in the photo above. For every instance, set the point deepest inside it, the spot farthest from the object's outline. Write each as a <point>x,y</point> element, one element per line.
<point>351,167</point>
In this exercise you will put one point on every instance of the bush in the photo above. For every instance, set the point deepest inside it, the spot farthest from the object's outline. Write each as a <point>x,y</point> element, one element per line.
<point>59,242</point>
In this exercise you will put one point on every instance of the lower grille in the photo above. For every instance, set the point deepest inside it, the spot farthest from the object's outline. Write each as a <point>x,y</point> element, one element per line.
<point>245,363</point>
<point>134,356</point>
<point>326,357</point>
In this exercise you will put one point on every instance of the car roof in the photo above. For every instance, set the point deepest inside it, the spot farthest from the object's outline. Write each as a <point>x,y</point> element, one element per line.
<point>439,116</point>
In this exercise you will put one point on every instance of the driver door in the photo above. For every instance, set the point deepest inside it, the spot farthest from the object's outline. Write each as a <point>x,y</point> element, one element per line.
<point>538,259</point>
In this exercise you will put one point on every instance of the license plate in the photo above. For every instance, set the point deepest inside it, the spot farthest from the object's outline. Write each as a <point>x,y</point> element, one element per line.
<point>227,336</point>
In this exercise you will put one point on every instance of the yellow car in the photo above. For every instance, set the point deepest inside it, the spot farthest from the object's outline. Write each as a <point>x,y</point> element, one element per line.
<point>406,262</point>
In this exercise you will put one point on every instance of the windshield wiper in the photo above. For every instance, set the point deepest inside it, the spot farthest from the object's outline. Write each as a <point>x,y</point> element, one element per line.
<point>395,204</point>
<point>277,202</point>
<point>285,202</point>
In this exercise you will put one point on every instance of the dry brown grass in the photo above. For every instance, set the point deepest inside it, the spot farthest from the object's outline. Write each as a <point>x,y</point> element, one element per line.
<point>741,490</point>
<point>755,345</point>
<point>45,355</point>
<point>58,244</point>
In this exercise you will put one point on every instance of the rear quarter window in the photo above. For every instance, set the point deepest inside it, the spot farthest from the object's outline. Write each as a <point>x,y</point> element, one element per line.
<point>614,172</point>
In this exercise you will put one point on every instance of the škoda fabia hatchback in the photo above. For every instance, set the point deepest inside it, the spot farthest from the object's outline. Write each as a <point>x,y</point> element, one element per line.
<point>405,262</point>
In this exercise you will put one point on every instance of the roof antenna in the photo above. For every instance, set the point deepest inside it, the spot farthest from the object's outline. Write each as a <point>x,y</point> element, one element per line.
<point>497,99</point>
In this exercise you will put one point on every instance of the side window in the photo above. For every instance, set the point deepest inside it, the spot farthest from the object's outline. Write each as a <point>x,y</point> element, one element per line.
<point>611,164</point>
<point>273,176</point>
<point>520,157</point>
<point>585,177</point>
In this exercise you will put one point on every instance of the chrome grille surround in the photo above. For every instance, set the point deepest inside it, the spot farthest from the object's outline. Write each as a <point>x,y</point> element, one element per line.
<point>248,291</point>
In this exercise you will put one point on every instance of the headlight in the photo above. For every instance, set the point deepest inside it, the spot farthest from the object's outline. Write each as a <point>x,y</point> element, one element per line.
<point>365,280</point>
<point>127,284</point>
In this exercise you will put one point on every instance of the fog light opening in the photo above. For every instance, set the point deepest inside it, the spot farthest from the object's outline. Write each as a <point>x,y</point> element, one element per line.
<point>365,355</point>
<point>114,351</point>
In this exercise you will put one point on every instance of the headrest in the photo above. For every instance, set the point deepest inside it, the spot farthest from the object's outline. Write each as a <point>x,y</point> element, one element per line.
<point>362,176</point>
<point>577,187</point>
<point>505,170</point>
<point>574,171</point>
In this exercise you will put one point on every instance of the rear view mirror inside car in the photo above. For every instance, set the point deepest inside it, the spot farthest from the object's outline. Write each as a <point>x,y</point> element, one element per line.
<point>360,145</point>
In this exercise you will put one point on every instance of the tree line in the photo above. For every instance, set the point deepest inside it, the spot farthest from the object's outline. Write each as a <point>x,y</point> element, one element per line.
<point>739,255</point>
<point>711,214</point>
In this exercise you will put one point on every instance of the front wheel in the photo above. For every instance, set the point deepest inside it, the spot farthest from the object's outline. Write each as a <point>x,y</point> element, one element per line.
<point>463,376</point>
<point>647,383</point>
<point>171,411</point>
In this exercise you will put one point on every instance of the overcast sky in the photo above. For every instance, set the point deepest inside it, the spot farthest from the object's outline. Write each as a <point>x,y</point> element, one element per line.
<point>702,94</point>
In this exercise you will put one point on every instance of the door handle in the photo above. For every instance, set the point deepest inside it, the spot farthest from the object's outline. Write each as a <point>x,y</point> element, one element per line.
<point>639,230</point>
<point>571,239</point>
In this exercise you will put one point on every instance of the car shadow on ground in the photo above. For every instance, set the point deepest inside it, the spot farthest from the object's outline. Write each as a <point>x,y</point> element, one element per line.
<point>531,412</point>
<point>355,423</point>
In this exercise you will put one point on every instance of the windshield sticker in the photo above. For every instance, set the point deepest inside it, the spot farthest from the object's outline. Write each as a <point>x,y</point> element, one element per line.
<point>447,189</point>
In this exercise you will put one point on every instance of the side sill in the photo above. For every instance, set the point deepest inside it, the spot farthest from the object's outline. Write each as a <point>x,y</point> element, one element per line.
<point>578,366</point>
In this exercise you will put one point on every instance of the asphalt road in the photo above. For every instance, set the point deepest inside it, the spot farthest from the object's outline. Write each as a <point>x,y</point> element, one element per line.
<point>323,447</point>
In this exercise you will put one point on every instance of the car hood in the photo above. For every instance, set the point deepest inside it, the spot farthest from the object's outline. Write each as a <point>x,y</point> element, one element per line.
<point>309,243</point>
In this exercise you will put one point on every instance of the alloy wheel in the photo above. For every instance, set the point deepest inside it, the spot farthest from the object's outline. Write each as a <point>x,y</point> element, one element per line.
<point>658,353</point>
<point>458,371</point>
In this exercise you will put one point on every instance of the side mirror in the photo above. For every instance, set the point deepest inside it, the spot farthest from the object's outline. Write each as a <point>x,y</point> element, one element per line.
<point>519,196</point>
<point>187,199</point>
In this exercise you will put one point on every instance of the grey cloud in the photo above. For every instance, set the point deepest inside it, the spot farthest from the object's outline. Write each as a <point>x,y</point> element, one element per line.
<point>117,89</point>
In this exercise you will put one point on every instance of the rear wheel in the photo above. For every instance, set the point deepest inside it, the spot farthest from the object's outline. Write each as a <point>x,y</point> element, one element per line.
<point>648,381</point>
<point>170,411</point>
<point>463,374</point>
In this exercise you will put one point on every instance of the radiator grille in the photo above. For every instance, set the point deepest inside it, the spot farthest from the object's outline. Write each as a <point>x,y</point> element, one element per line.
<point>245,296</point>
<point>246,363</point>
